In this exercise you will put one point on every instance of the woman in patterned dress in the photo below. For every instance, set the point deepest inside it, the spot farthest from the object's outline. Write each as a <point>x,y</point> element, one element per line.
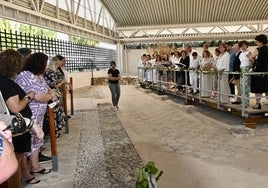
<point>54,82</point>
<point>31,79</point>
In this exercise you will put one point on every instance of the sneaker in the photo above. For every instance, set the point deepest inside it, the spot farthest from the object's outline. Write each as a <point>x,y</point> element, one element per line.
<point>232,99</point>
<point>43,159</point>
<point>115,108</point>
<point>236,102</point>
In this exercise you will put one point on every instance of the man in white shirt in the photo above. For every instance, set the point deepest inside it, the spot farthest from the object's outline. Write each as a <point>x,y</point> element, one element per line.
<point>190,51</point>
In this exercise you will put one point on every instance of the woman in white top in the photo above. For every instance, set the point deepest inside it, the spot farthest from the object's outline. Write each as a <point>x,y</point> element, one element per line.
<point>223,65</point>
<point>215,76</point>
<point>206,78</point>
<point>148,69</point>
<point>244,66</point>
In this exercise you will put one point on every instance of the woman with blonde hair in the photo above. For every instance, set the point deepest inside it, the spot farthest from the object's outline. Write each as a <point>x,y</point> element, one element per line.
<point>206,78</point>
<point>55,83</point>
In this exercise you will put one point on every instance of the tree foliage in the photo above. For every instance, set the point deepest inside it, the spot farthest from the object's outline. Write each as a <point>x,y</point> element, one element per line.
<point>81,40</point>
<point>27,29</point>
<point>11,26</point>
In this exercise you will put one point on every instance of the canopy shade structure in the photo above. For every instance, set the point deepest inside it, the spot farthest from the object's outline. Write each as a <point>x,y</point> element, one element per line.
<point>161,20</point>
<point>128,21</point>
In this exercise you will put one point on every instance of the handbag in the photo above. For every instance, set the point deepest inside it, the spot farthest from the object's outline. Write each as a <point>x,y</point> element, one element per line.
<point>19,125</point>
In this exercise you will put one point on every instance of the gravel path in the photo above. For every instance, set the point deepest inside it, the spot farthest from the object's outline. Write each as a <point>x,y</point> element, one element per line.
<point>195,146</point>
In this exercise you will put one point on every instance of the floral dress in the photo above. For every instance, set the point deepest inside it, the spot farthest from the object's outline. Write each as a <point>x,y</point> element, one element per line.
<point>30,82</point>
<point>59,116</point>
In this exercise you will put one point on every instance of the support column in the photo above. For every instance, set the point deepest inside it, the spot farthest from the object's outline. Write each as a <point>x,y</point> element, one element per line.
<point>120,59</point>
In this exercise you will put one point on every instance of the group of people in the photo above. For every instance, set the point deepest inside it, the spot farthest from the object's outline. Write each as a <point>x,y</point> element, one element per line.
<point>224,73</point>
<point>28,84</point>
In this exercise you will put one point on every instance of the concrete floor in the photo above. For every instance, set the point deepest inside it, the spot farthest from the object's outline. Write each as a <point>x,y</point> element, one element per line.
<point>193,148</point>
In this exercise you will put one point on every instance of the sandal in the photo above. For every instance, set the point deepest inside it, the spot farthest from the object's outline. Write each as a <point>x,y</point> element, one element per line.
<point>43,171</point>
<point>30,181</point>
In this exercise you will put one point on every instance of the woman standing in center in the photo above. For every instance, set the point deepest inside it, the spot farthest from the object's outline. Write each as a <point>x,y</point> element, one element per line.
<point>114,77</point>
<point>32,79</point>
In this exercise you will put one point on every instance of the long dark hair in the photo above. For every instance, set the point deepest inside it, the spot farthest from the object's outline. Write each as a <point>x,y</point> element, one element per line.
<point>36,63</point>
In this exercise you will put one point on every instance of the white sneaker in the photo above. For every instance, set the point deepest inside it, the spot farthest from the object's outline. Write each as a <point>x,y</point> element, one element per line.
<point>232,99</point>
<point>114,108</point>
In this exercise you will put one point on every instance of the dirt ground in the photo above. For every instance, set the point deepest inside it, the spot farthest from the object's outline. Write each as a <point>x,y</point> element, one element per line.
<point>194,149</point>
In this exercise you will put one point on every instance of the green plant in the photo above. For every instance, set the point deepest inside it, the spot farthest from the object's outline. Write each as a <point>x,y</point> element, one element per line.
<point>147,174</point>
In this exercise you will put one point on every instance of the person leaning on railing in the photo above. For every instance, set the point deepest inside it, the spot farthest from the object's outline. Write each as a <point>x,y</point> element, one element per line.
<point>223,65</point>
<point>259,59</point>
<point>215,76</point>
<point>245,67</point>
<point>236,68</point>
<point>159,68</point>
<point>55,83</point>
<point>61,71</point>
<point>206,78</point>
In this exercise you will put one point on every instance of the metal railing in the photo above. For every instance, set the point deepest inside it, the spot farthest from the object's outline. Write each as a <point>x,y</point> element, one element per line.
<point>168,81</point>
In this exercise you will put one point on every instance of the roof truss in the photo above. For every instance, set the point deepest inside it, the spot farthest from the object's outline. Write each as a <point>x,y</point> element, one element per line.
<point>227,31</point>
<point>42,14</point>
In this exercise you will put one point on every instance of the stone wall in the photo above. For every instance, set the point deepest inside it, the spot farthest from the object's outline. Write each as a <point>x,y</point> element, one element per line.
<point>123,81</point>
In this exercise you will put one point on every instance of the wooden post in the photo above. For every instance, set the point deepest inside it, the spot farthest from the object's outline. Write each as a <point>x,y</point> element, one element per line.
<point>72,96</point>
<point>64,101</point>
<point>52,139</point>
<point>5,184</point>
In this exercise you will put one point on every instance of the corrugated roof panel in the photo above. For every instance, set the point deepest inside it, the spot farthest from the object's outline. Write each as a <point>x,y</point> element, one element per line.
<point>127,13</point>
<point>175,4</point>
<point>131,10</point>
<point>240,11</point>
<point>200,13</point>
<point>206,10</point>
